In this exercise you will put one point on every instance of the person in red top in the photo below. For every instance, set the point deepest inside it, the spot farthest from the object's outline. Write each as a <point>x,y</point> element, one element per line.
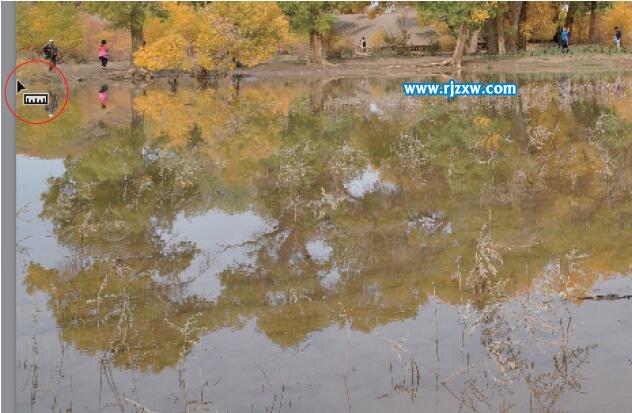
<point>104,55</point>
<point>103,96</point>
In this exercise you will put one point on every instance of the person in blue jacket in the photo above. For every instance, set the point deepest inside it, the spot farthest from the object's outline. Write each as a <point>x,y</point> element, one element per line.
<point>566,35</point>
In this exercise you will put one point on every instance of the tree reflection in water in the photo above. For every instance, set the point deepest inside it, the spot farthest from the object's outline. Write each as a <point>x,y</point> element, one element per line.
<point>457,200</point>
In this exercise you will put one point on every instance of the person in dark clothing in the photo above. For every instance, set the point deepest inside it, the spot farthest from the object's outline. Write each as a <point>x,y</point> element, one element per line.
<point>617,37</point>
<point>557,38</point>
<point>363,44</point>
<point>51,52</point>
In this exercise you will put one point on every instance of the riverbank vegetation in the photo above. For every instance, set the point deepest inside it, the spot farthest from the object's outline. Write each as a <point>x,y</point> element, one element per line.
<point>212,38</point>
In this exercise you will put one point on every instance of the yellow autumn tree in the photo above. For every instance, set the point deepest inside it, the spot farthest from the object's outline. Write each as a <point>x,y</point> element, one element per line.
<point>459,17</point>
<point>260,27</point>
<point>38,22</point>
<point>213,37</point>
<point>620,15</point>
<point>170,40</point>
<point>215,41</point>
<point>240,34</point>
<point>182,18</point>
<point>168,53</point>
<point>541,24</point>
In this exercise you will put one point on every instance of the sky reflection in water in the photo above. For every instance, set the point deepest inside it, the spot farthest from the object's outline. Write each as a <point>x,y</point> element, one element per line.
<point>268,246</point>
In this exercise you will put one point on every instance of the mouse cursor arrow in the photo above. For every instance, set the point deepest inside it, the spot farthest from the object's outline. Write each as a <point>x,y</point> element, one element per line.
<point>19,86</point>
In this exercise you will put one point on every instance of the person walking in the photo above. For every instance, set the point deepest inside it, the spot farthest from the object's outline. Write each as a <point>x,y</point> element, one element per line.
<point>565,40</point>
<point>51,52</point>
<point>104,54</point>
<point>363,44</point>
<point>557,38</point>
<point>617,37</point>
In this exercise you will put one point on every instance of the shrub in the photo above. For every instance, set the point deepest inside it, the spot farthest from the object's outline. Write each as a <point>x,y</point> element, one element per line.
<point>372,12</point>
<point>443,36</point>
<point>385,39</point>
<point>379,39</point>
<point>339,46</point>
<point>434,48</point>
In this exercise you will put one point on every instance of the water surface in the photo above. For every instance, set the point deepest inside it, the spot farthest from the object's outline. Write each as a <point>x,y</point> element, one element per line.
<point>330,245</point>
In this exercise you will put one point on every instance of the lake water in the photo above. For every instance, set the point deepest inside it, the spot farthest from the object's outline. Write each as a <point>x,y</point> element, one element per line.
<point>327,245</point>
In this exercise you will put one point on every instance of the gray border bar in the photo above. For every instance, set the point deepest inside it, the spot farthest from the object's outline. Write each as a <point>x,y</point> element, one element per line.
<point>8,215</point>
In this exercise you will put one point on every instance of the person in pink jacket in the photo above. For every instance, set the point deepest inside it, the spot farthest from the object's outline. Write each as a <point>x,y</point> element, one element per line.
<point>104,55</point>
<point>103,96</point>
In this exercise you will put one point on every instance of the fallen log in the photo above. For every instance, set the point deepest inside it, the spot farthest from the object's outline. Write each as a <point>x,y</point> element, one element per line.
<point>606,297</point>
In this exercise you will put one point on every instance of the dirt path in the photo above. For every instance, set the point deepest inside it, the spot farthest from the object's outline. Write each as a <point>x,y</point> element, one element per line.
<point>92,71</point>
<point>411,66</point>
<point>291,67</point>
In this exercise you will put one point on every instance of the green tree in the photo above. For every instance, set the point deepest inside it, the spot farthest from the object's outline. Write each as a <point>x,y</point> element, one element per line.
<point>460,17</point>
<point>314,18</point>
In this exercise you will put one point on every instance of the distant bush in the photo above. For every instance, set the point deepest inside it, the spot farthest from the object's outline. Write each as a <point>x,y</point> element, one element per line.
<point>443,36</point>
<point>372,12</point>
<point>385,39</point>
<point>339,46</point>
<point>380,39</point>
<point>385,52</point>
<point>434,48</point>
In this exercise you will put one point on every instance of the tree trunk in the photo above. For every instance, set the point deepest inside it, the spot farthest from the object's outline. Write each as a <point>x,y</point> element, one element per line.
<point>491,37</point>
<point>500,32</point>
<point>472,46</point>
<point>236,83</point>
<point>592,21</point>
<point>317,95</point>
<point>570,15</point>
<point>315,47</point>
<point>138,38</point>
<point>459,48</point>
<point>522,20</point>
<point>137,124</point>
<point>514,20</point>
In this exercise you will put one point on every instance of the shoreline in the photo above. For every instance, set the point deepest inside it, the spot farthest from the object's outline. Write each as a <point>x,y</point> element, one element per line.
<point>290,67</point>
<point>417,65</point>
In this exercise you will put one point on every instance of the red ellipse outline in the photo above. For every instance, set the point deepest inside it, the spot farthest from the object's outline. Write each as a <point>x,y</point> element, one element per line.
<point>6,85</point>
